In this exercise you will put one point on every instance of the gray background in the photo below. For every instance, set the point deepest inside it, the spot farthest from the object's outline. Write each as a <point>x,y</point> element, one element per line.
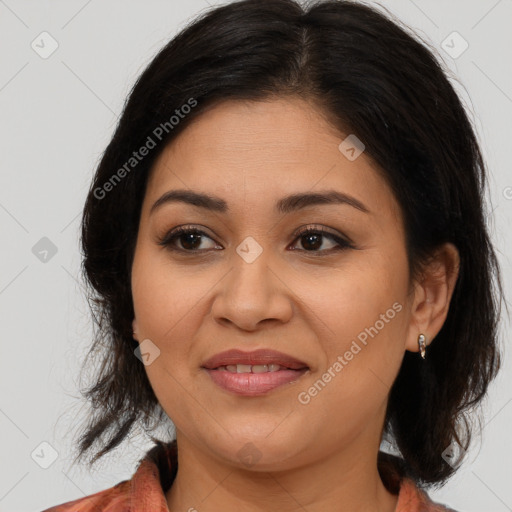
<point>57,115</point>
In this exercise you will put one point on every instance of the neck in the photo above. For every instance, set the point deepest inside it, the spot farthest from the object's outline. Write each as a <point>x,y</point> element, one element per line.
<point>342,480</point>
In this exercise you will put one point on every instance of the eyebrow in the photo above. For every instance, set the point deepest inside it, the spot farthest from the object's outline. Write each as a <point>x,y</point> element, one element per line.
<point>285,205</point>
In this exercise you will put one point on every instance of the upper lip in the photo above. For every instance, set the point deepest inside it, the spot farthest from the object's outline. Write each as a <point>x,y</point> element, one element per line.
<point>260,356</point>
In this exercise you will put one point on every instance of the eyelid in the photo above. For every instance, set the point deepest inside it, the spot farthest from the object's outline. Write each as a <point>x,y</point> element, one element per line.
<point>165,239</point>
<point>315,228</point>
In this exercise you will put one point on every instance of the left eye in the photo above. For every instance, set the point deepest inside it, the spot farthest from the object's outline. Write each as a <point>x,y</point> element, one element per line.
<point>312,240</point>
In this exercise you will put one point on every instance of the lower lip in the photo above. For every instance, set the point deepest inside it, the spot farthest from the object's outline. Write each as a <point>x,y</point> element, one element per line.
<point>254,384</point>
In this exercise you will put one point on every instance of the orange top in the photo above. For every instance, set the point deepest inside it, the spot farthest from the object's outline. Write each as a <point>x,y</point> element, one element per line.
<point>145,491</point>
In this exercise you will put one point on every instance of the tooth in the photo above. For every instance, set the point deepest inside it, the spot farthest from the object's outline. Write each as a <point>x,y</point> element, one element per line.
<point>247,368</point>
<point>259,368</point>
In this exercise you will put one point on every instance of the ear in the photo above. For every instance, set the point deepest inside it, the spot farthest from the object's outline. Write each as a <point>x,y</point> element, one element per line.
<point>134,328</point>
<point>432,294</point>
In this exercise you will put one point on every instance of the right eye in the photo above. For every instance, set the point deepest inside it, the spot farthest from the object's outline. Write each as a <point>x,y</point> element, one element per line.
<point>190,239</point>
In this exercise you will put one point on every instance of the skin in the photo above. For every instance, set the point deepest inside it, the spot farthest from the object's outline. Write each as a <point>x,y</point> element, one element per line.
<point>310,304</point>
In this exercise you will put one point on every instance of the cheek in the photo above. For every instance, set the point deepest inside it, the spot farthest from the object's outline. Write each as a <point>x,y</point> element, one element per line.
<point>165,305</point>
<point>363,317</point>
<point>170,304</point>
<point>163,296</point>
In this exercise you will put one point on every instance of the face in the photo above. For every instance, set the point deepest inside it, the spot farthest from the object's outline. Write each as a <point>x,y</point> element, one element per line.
<point>248,277</point>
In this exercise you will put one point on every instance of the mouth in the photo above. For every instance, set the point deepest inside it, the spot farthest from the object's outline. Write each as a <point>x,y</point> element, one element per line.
<point>255,368</point>
<point>253,373</point>
<point>258,359</point>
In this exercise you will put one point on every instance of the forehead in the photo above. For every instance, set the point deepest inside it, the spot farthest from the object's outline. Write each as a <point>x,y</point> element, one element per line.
<point>265,150</point>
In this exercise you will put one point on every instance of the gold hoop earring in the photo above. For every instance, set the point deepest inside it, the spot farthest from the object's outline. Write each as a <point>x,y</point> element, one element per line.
<point>422,345</point>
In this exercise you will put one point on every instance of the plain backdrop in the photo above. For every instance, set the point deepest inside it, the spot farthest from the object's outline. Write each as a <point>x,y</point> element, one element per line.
<point>66,68</point>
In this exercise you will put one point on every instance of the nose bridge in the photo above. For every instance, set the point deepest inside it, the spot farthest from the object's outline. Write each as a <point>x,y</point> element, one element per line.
<point>251,268</point>
<point>251,292</point>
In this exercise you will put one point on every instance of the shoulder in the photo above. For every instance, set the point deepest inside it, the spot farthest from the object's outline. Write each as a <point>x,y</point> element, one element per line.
<point>414,499</point>
<point>411,497</point>
<point>144,491</point>
<point>112,499</point>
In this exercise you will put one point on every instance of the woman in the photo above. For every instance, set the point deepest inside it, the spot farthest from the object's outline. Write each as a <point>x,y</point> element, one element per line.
<point>288,255</point>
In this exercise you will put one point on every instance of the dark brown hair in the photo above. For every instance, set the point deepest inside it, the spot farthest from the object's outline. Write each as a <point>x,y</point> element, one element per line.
<point>372,78</point>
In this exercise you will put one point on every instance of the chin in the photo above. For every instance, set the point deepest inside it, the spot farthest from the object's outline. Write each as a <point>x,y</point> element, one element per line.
<point>259,452</point>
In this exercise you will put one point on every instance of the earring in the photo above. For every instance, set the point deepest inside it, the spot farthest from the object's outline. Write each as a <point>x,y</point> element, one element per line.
<point>423,346</point>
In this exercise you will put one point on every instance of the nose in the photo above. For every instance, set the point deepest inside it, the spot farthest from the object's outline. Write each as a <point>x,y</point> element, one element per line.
<point>253,294</point>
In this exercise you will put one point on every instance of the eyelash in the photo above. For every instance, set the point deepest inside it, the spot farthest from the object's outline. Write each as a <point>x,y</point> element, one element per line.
<point>167,240</point>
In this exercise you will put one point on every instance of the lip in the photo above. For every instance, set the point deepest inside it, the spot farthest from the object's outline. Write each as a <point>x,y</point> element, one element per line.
<point>254,384</point>
<point>260,356</point>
